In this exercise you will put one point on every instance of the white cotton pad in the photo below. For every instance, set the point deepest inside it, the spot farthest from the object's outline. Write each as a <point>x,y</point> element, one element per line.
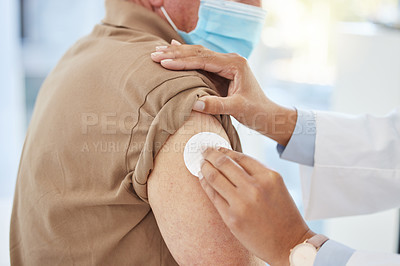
<point>195,147</point>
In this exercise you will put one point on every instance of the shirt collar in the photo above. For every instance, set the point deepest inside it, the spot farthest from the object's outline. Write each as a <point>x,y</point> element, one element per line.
<point>123,13</point>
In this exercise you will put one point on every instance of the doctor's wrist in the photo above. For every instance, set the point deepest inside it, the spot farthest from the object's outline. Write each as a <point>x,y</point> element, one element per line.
<point>295,239</point>
<point>279,122</point>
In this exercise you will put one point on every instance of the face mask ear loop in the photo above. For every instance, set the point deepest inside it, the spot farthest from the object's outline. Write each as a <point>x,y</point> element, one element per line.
<point>169,18</point>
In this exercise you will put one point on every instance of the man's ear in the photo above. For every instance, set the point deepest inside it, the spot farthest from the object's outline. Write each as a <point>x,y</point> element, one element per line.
<point>157,3</point>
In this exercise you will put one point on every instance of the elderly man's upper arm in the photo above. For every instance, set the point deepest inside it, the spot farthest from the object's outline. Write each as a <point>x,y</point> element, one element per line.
<point>189,223</point>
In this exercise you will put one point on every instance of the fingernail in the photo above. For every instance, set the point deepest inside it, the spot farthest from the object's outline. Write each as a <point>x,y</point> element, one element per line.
<point>199,106</point>
<point>156,53</point>
<point>161,48</point>
<point>200,174</point>
<point>175,42</point>
<point>166,61</point>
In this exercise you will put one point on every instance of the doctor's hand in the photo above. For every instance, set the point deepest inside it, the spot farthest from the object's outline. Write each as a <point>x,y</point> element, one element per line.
<point>254,203</point>
<point>245,101</point>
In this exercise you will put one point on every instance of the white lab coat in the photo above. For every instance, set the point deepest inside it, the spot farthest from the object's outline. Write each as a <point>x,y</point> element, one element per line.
<point>356,171</point>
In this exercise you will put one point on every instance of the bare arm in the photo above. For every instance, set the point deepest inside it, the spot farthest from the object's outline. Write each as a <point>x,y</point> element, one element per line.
<point>191,227</point>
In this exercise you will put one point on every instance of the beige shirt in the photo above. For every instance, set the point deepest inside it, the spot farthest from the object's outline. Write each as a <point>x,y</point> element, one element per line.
<point>100,119</point>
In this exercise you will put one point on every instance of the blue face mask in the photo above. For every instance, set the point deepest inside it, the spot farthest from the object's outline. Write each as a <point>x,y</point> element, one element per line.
<point>225,26</point>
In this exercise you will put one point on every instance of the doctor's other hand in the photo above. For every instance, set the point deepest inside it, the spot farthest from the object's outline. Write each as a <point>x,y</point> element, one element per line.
<point>245,100</point>
<point>254,203</point>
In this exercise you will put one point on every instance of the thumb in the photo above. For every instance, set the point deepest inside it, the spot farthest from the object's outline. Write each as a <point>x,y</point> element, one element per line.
<point>215,105</point>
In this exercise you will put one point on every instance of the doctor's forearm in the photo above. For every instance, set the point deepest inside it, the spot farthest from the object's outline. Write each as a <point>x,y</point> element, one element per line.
<point>276,122</point>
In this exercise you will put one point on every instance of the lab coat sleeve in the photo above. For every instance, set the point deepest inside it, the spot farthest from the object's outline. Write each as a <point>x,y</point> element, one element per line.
<point>364,258</point>
<point>356,166</point>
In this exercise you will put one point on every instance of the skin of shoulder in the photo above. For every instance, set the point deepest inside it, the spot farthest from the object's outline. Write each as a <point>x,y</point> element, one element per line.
<point>189,223</point>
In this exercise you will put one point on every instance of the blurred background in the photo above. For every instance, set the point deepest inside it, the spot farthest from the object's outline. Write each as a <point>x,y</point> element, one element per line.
<point>341,55</point>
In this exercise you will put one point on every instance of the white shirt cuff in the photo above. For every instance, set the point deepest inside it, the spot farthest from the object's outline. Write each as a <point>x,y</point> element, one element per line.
<point>333,253</point>
<point>301,146</point>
